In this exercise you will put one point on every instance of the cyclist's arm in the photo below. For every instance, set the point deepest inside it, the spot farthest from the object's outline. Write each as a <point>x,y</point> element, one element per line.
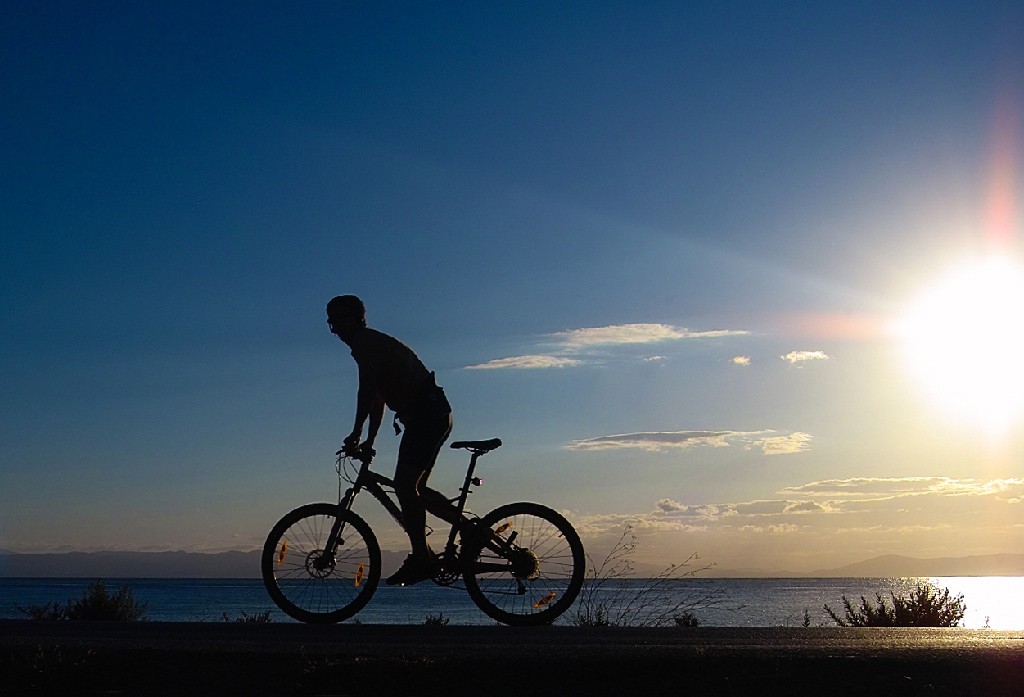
<point>369,405</point>
<point>376,418</point>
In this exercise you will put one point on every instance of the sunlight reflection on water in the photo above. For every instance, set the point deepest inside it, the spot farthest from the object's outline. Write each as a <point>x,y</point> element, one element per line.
<point>992,601</point>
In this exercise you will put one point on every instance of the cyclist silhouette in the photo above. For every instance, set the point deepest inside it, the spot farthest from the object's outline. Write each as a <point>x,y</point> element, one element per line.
<point>391,375</point>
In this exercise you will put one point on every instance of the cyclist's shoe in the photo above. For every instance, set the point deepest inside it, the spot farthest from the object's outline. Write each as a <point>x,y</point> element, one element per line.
<point>412,571</point>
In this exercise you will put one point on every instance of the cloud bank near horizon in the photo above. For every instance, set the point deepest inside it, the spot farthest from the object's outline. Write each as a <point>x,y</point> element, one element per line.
<point>875,515</point>
<point>888,488</point>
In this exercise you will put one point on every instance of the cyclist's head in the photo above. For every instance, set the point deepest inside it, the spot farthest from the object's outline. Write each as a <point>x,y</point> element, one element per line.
<point>345,313</point>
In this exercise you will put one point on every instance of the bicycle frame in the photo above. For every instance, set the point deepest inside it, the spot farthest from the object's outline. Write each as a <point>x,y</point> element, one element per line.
<point>376,483</point>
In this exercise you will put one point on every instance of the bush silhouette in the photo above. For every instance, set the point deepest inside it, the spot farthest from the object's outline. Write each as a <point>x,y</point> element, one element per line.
<point>926,606</point>
<point>96,604</point>
<point>246,618</point>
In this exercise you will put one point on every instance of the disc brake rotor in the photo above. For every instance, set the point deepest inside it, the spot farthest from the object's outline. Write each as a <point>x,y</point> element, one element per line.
<point>319,565</point>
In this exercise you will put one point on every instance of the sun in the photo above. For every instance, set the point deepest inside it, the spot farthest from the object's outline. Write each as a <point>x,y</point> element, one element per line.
<point>963,338</point>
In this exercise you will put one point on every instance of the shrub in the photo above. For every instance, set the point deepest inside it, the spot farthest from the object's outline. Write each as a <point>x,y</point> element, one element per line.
<point>245,617</point>
<point>687,619</point>
<point>926,606</point>
<point>438,620</point>
<point>49,611</point>
<point>96,604</point>
<point>613,596</point>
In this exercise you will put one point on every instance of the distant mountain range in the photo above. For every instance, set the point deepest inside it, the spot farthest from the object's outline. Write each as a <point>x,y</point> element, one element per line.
<point>246,565</point>
<point>895,565</point>
<point>145,564</point>
<point>131,565</point>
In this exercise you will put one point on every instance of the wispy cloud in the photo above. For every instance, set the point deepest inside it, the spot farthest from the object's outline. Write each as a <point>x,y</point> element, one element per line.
<point>633,334</point>
<point>778,529</point>
<point>769,442</point>
<point>795,357</point>
<point>740,360</point>
<point>785,444</point>
<point>901,487</point>
<point>747,509</point>
<point>809,507</point>
<point>655,441</point>
<point>574,347</point>
<point>530,362</point>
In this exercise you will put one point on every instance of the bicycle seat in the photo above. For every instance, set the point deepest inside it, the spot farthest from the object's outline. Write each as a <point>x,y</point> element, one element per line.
<point>478,446</point>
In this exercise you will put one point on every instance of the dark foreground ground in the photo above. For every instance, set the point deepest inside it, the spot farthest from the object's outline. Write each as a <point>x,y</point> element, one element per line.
<point>72,658</point>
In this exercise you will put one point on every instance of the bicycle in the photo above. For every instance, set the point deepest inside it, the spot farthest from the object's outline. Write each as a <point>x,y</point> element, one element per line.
<point>522,563</point>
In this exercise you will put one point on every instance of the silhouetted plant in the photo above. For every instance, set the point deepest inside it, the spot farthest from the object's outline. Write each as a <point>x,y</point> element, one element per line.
<point>96,604</point>
<point>613,596</point>
<point>438,620</point>
<point>687,619</point>
<point>49,611</point>
<point>254,618</point>
<point>926,606</point>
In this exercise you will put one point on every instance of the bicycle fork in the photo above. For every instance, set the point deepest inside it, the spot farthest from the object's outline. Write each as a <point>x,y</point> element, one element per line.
<point>335,539</point>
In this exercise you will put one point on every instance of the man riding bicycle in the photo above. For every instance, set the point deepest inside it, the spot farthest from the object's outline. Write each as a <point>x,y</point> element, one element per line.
<point>391,375</point>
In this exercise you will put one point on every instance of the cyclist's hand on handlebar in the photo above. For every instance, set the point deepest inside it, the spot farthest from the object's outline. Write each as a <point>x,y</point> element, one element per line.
<point>363,452</point>
<point>350,443</point>
<point>350,446</point>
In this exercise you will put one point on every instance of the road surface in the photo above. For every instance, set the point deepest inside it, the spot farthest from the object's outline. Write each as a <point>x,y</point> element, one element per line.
<point>282,659</point>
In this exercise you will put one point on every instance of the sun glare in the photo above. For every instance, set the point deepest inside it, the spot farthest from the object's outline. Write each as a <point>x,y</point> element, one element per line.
<point>964,340</point>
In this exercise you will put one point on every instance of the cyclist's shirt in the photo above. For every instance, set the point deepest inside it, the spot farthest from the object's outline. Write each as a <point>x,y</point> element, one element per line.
<point>389,367</point>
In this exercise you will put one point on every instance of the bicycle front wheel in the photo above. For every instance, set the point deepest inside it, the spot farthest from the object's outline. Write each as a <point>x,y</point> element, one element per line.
<point>311,583</point>
<point>525,566</point>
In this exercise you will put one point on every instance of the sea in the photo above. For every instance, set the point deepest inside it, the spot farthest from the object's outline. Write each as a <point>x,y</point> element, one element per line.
<point>992,602</point>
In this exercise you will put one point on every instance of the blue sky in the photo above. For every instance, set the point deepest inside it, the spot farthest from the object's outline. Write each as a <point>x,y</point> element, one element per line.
<point>658,248</point>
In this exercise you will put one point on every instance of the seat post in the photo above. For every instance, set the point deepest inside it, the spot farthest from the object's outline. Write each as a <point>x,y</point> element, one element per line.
<point>468,481</point>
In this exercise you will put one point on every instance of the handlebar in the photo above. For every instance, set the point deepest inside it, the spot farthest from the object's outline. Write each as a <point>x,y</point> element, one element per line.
<point>362,453</point>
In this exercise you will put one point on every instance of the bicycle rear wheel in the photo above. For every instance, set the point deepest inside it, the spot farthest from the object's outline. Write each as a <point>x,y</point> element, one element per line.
<point>308,583</point>
<point>525,566</point>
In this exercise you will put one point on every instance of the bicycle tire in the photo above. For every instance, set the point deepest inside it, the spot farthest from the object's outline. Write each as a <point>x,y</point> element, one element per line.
<point>525,566</point>
<point>337,590</point>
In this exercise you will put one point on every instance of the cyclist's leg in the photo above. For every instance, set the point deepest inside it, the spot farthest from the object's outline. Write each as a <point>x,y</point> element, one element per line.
<point>417,453</point>
<point>438,504</point>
